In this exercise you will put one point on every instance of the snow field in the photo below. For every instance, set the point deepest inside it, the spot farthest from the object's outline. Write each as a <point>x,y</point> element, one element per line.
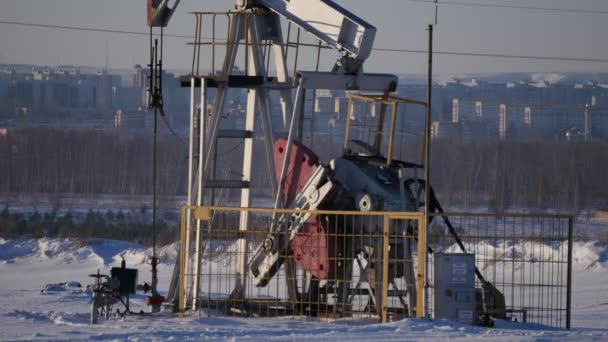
<point>26,266</point>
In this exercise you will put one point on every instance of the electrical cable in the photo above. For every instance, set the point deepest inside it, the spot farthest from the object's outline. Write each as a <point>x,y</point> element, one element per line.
<point>496,55</point>
<point>379,49</point>
<point>181,141</point>
<point>232,149</point>
<point>88,29</point>
<point>528,8</point>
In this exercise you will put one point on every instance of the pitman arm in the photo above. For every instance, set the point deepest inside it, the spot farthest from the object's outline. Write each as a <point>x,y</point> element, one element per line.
<point>271,253</point>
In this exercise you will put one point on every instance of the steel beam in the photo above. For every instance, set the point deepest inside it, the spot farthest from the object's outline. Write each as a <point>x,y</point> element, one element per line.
<point>199,193</point>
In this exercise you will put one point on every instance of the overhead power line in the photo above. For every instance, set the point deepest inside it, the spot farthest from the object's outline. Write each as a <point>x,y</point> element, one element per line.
<point>496,55</point>
<point>529,8</point>
<point>379,49</point>
<point>182,141</point>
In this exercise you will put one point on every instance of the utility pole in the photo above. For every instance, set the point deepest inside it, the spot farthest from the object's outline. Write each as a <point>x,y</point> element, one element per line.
<point>427,156</point>
<point>587,125</point>
<point>154,259</point>
<point>156,104</point>
<point>9,146</point>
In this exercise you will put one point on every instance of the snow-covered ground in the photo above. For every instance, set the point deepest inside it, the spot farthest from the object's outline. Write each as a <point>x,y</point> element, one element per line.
<point>62,313</point>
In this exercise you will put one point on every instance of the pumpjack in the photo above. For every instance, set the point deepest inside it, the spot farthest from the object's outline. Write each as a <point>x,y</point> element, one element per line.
<point>363,178</point>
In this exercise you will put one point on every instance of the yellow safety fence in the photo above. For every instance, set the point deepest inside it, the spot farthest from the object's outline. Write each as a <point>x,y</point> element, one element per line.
<point>338,265</point>
<point>373,265</point>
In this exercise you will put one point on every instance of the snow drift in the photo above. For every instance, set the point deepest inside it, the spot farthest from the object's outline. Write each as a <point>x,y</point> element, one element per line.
<point>69,251</point>
<point>591,255</point>
<point>585,255</point>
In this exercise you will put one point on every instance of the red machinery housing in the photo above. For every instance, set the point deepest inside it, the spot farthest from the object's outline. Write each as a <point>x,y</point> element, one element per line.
<point>311,246</point>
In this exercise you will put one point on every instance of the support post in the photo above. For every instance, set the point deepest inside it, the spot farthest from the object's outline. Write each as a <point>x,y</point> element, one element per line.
<point>427,170</point>
<point>290,138</point>
<point>349,113</point>
<point>241,276</point>
<point>422,278</point>
<point>191,145</point>
<point>199,198</point>
<point>220,97</point>
<point>300,128</point>
<point>259,69</point>
<point>378,140</point>
<point>185,243</point>
<point>289,263</point>
<point>182,269</point>
<point>280,59</point>
<point>587,123</point>
<point>385,264</point>
<point>311,123</point>
<point>569,285</point>
<point>391,137</point>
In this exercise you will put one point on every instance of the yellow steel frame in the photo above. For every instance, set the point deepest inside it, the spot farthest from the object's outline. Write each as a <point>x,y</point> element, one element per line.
<point>384,101</point>
<point>205,214</point>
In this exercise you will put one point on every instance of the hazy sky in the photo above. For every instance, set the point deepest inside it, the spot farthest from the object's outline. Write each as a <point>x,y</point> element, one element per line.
<point>400,23</point>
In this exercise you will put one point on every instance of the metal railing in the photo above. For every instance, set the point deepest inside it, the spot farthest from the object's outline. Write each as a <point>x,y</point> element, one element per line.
<point>212,39</point>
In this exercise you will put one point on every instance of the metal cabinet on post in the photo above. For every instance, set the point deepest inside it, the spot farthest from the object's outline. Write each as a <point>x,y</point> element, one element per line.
<point>454,283</point>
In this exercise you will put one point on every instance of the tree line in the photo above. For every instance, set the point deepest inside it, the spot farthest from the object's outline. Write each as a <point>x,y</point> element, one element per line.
<point>109,225</point>
<point>567,176</point>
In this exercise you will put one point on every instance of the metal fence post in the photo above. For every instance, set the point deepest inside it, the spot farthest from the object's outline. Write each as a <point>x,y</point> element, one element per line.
<point>421,280</point>
<point>349,112</point>
<point>569,289</point>
<point>182,260</point>
<point>385,261</point>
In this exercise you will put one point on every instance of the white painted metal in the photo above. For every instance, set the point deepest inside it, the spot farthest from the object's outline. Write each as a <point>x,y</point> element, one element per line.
<point>256,61</point>
<point>241,276</point>
<point>328,22</point>
<point>220,97</point>
<point>199,193</point>
<point>259,69</point>
<point>282,74</point>
<point>186,246</point>
<point>252,96</point>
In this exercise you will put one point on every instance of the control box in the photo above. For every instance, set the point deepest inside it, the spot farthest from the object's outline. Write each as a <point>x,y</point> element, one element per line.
<point>127,279</point>
<point>454,287</point>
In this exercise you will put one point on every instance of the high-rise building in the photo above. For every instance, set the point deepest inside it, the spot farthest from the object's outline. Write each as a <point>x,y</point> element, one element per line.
<point>478,109</point>
<point>527,115</point>
<point>455,110</point>
<point>139,77</point>
<point>502,122</point>
<point>103,98</point>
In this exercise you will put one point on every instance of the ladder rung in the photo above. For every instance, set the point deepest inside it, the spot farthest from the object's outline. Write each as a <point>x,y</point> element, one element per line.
<point>234,134</point>
<point>227,184</point>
